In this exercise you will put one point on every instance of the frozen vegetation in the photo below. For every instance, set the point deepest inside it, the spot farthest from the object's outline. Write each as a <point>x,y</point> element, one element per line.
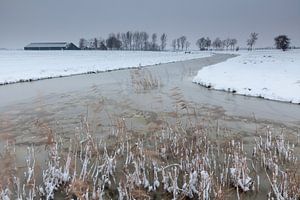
<point>172,163</point>
<point>16,66</point>
<point>269,74</point>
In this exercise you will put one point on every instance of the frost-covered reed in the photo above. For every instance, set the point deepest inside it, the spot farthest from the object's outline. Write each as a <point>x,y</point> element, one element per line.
<point>173,163</point>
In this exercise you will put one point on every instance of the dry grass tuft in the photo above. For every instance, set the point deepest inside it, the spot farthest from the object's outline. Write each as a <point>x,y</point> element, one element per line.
<point>143,79</point>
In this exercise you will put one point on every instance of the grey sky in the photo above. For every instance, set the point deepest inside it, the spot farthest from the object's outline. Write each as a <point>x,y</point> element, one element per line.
<point>25,21</point>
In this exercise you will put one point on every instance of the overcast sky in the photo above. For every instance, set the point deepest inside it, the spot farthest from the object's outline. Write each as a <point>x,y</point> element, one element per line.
<point>25,21</point>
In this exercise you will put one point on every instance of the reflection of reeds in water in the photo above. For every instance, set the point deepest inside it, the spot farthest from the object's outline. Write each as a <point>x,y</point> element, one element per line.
<point>143,79</point>
<point>179,100</point>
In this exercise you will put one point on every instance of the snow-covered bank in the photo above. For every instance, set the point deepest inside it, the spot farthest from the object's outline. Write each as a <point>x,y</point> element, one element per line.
<point>269,74</point>
<point>21,65</point>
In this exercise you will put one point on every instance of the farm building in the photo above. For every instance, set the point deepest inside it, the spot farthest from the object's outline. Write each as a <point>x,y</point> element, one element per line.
<point>51,46</point>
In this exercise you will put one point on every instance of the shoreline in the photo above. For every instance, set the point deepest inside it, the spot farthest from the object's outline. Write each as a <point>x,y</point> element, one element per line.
<point>91,72</point>
<point>23,66</point>
<point>270,75</point>
<point>245,95</point>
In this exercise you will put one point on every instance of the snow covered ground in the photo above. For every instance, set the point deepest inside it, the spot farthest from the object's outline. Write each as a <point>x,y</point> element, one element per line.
<point>21,65</point>
<point>271,74</point>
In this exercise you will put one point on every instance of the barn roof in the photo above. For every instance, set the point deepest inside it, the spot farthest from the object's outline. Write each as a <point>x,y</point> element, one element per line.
<point>48,44</point>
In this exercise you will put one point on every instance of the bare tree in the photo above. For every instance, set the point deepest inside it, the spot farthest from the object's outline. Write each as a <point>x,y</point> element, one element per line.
<point>102,45</point>
<point>208,43</point>
<point>226,43</point>
<point>163,41</point>
<point>129,38</point>
<point>144,37</point>
<point>95,43</point>
<point>136,40</point>
<point>282,42</point>
<point>178,43</point>
<point>154,38</point>
<point>182,40</point>
<point>82,43</point>
<point>187,45</point>
<point>90,44</point>
<point>201,43</point>
<point>125,42</point>
<point>113,42</point>
<point>217,43</point>
<point>252,40</point>
<point>118,36</point>
<point>174,44</point>
<point>99,40</point>
<point>233,42</point>
<point>153,42</point>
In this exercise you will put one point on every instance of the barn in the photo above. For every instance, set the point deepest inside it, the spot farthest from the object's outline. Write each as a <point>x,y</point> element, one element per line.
<point>51,46</point>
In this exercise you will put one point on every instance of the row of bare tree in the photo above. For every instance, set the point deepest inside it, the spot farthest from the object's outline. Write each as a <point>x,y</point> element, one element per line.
<point>218,44</point>
<point>141,40</point>
<point>229,43</point>
<point>180,43</point>
<point>127,41</point>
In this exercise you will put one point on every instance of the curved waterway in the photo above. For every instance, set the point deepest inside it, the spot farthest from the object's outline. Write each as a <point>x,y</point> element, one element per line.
<point>29,110</point>
<point>66,98</point>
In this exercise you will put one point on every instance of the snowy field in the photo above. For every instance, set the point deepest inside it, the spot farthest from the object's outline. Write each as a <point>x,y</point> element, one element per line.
<point>269,74</point>
<point>22,65</point>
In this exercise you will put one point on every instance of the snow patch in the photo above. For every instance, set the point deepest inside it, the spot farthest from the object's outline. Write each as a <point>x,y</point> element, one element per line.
<point>18,66</point>
<point>268,74</point>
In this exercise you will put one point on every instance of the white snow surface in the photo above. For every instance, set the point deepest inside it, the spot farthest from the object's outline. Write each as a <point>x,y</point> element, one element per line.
<point>22,65</point>
<point>271,74</point>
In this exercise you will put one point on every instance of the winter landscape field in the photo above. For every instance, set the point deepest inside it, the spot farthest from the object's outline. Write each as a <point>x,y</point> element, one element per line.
<point>149,100</point>
<point>21,65</point>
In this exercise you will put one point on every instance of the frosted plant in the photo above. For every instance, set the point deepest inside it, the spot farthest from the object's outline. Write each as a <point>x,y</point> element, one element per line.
<point>174,189</point>
<point>184,186</point>
<point>146,181</point>
<point>205,185</point>
<point>5,194</point>
<point>66,172</point>
<point>239,171</point>
<point>193,179</point>
<point>108,168</point>
<point>30,161</point>
<point>156,182</point>
<point>165,179</point>
<point>239,174</point>
<point>100,192</point>
<point>83,173</point>
<point>17,183</point>
<point>122,192</point>
<point>136,174</point>
<point>129,154</point>
<point>163,151</point>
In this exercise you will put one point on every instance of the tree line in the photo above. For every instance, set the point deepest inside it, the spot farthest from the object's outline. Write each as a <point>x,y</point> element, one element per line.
<point>142,41</point>
<point>205,43</point>
<point>180,43</point>
<point>281,41</point>
<point>138,40</point>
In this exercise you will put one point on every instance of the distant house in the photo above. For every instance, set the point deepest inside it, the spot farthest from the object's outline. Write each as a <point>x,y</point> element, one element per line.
<point>51,46</point>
